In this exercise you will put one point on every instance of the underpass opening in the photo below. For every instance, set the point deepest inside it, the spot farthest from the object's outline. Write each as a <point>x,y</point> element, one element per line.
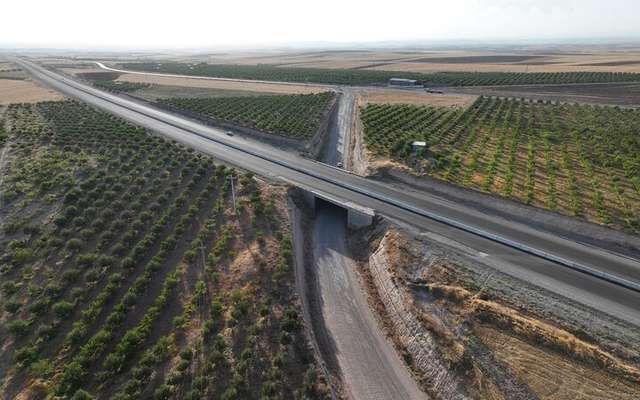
<point>325,205</point>
<point>357,216</point>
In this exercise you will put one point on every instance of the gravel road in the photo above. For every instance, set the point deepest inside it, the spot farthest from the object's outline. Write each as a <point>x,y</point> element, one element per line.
<point>371,369</point>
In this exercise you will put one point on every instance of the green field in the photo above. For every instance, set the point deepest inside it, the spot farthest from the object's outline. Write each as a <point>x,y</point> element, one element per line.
<point>294,115</point>
<point>370,77</point>
<point>576,159</point>
<point>120,87</point>
<point>126,274</point>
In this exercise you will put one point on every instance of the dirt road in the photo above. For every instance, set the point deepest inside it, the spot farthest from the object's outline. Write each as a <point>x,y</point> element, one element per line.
<point>370,367</point>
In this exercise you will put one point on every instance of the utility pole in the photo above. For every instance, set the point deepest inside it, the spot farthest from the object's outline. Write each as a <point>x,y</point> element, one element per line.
<point>203,259</point>
<point>233,194</point>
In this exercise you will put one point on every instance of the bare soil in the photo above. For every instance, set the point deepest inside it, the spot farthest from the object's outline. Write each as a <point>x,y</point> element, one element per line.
<point>217,84</point>
<point>419,97</point>
<point>621,94</point>
<point>477,59</point>
<point>24,91</point>
<point>554,376</point>
<point>529,60</point>
<point>532,356</point>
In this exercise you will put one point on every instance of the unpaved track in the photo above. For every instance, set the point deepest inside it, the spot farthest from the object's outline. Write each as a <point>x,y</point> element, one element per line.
<point>340,130</point>
<point>370,367</point>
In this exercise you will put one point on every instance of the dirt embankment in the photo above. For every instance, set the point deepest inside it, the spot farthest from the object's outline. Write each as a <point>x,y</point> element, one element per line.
<point>24,91</point>
<point>420,344</point>
<point>502,338</point>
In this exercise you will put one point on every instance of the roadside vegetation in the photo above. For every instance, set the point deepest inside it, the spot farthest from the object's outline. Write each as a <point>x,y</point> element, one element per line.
<point>580,160</point>
<point>296,115</point>
<point>128,272</point>
<point>120,87</point>
<point>493,336</point>
<point>369,77</point>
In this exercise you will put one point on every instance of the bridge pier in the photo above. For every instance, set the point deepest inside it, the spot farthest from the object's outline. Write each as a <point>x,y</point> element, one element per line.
<point>357,216</point>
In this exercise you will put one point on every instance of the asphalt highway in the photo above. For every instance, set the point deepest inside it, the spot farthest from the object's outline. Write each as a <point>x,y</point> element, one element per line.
<point>552,262</point>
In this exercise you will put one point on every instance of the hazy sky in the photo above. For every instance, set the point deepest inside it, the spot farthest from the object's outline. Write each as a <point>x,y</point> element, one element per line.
<point>210,23</point>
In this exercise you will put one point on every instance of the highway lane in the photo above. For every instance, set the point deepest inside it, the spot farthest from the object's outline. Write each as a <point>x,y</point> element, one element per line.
<point>339,184</point>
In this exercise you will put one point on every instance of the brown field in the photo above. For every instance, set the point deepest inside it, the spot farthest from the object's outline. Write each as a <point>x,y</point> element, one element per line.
<point>386,96</point>
<point>553,376</point>
<point>76,70</point>
<point>24,91</point>
<point>204,83</point>
<point>224,85</point>
<point>537,60</point>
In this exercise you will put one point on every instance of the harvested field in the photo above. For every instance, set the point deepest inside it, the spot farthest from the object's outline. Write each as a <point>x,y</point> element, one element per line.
<point>477,59</point>
<point>24,91</point>
<point>621,94</point>
<point>552,376</point>
<point>423,67</point>
<point>615,63</point>
<point>534,60</point>
<point>382,96</point>
<point>224,85</point>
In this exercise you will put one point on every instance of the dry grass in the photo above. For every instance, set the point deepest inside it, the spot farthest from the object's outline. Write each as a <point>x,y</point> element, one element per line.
<point>394,96</point>
<point>75,71</point>
<point>434,67</point>
<point>550,336</point>
<point>24,91</point>
<point>534,330</point>
<point>219,84</point>
<point>552,376</point>
<point>572,60</point>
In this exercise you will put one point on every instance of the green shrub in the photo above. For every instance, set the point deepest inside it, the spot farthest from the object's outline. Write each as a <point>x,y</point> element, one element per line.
<point>12,306</point>
<point>19,327</point>
<point>75,244</point>
<point>63,309</point>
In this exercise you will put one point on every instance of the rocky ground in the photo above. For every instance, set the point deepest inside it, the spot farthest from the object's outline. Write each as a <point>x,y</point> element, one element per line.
<point>468,331</point>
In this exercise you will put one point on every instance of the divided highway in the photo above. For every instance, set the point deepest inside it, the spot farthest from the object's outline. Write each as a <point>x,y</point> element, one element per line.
<point>592,276</point>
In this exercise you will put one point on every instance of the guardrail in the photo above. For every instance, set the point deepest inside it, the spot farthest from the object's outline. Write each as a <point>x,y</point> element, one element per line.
<point>616,280</point>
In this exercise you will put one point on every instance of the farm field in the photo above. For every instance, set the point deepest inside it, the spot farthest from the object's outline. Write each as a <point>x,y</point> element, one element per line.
<point>579,160</point>
<point>120,87</point>
<point>93,73</point>
<point>621,94</point>
<point>522,59</point>
<point>369,77</point>
<point>153,92</point>
<point>296,116</point>
<point>129,272</point>
<point>24,91</point>
<point>15,87</point>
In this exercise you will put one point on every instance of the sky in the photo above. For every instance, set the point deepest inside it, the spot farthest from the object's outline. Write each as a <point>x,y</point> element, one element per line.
<point>210,24</point>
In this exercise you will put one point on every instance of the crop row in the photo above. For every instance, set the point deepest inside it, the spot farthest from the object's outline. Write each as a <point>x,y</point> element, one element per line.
<point>372,77</point>
<point>122,248</point>
<point>120,86</point>
<point>298,116</point>
<point>581,160</point>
